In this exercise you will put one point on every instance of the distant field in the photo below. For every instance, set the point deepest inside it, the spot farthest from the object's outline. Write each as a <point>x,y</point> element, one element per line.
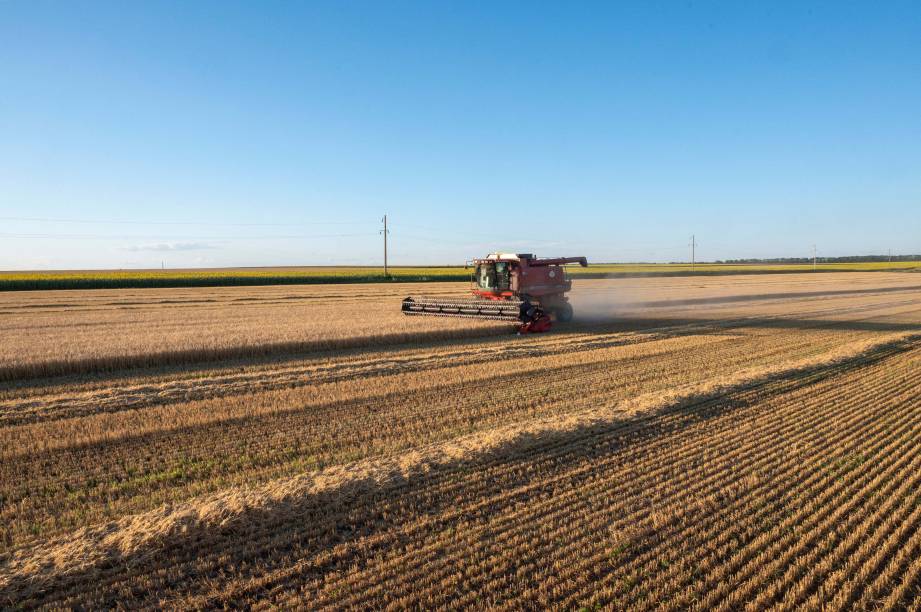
<point>219,277</point>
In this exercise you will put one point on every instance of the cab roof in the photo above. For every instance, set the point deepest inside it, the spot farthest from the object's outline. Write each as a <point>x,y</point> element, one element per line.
<point>506,257</point>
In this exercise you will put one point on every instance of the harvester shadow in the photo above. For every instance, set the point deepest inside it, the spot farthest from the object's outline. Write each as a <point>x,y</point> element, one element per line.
<point>192,360</point>
<point>472,352</point>
<point>188,362</point>
<point>326,533</point>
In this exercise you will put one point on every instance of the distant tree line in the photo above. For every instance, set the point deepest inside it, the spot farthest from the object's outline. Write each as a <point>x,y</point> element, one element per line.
<point>808,260</point>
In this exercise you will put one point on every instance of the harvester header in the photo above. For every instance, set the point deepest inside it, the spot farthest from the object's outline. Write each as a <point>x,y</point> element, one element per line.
<point>514,287</point>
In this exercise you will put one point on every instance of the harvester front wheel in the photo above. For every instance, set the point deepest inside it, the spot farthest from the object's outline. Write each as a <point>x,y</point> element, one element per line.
<point>563,312</point>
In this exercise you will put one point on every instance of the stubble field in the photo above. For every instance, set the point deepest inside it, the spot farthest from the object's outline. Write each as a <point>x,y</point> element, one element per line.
<point>706,443</point>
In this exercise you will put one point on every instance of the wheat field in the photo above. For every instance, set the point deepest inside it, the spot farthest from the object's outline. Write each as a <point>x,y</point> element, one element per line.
<point>737,442</point>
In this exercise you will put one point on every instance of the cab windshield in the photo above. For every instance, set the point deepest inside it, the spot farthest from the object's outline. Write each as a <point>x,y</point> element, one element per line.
<point>493,276</point>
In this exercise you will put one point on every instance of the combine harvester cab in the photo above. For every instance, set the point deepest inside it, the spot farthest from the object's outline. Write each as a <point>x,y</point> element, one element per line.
<point>518,288</point>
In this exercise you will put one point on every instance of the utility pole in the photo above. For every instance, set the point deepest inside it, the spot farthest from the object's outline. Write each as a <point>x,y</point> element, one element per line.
<point>385,232</point>
<point>813,258</point>
<point>890,256</point>
<point>693,246</point>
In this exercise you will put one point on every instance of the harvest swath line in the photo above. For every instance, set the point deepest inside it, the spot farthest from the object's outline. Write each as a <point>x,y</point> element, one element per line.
<point>702,443</point>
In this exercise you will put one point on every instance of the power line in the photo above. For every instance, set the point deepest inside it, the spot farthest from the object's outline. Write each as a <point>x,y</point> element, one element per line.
<point>207,223</point>
<point>533,241</point>
<point>182,237</point>
<point>451,231</point>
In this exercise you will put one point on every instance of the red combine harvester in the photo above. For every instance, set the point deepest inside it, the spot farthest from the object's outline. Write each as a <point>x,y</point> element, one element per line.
<point>508,287</point>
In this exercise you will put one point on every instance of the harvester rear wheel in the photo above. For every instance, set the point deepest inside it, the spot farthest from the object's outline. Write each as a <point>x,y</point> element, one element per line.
<point>563,312</point>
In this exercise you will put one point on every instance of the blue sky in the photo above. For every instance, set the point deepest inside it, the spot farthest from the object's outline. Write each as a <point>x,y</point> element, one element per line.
<point>266,133</point>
